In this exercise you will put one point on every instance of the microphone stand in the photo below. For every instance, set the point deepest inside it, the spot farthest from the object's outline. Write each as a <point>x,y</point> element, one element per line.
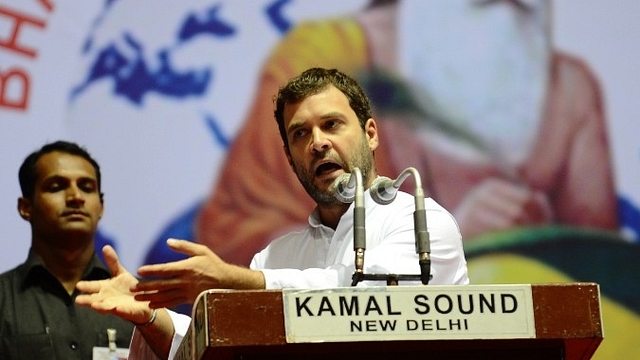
<point>384,192</point>
<point>423,242</point>
<point>347,188</point>
<point>359,232</point>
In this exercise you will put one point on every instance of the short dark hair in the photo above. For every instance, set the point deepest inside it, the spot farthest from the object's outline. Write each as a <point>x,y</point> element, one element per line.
<point>27,172</point>
<point>314,81</point>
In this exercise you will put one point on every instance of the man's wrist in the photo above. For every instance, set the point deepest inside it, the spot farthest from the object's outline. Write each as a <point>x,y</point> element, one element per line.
<point>154,314</point>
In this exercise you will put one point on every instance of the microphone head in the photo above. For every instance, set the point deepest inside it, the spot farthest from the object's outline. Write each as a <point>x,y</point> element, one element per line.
<point>341,189</point>
<point>382,190</point>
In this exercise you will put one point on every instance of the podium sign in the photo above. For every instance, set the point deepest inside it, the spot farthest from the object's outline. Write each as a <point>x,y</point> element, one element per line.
<point>539,321</point>
<point>409,313</point>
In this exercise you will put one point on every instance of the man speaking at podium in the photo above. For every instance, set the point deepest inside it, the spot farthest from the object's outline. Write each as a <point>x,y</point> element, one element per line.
<point>325,121</point>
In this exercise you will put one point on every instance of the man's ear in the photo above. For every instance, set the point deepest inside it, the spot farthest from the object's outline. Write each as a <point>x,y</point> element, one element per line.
<point>101,208</point>
<point>371,129</point>
<point>24,208</point>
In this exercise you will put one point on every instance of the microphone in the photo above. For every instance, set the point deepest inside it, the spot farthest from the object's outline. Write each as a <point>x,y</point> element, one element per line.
<point>347,188</point>
<point>383,190</point>
<point>344,188</point>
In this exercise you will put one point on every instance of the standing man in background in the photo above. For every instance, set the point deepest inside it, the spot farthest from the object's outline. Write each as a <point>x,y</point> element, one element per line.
<point>62,201</point>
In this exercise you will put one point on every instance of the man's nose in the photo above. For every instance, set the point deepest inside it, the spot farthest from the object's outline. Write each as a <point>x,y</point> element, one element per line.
<point>319,141</point>
<point>74,194</point>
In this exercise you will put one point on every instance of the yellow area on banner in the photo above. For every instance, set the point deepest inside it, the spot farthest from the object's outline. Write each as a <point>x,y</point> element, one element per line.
<point>621,325</point>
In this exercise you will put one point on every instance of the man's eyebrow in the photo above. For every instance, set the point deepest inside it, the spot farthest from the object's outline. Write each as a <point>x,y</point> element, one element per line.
<point>54,177</point>
<point>57,177</point>
<point>330,115</point>
<point>333,115</point>
<point>293,126</point>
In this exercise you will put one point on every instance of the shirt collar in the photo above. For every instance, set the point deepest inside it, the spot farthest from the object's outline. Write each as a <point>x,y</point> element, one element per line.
<point>95,270</point>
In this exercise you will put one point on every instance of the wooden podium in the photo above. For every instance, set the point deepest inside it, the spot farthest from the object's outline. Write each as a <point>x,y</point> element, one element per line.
<point>566,324</point>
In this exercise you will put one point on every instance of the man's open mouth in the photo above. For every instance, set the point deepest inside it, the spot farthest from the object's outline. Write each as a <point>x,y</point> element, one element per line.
<point>327,168</point>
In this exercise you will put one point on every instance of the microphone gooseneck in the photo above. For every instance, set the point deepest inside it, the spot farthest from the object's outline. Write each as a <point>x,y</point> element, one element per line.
<point>383,191</point>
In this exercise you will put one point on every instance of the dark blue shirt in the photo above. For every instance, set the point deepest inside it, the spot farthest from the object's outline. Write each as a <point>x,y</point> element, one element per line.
<point>40,320</point>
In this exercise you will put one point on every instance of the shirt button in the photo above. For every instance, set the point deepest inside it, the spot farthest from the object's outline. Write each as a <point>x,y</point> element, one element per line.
<point>73,345</point>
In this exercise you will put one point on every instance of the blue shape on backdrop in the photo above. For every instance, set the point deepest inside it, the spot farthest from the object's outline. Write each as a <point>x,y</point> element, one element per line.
<point>629,216</point>
<point>180,228</point>
<point>275,15</point>
<point>134,78</point>
<point>101,240</point>
<point>205,23</point>
<point>218,135</point>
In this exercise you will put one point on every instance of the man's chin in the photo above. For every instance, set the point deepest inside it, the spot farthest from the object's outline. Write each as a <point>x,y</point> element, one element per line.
<point>323,198</point>
<point>78,228</point>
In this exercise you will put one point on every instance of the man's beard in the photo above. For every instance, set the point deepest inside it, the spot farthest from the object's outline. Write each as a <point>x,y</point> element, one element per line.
<point>362,159</point>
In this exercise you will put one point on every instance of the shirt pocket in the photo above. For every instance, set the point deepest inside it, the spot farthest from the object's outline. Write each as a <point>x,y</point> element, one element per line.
<point>31,346</point>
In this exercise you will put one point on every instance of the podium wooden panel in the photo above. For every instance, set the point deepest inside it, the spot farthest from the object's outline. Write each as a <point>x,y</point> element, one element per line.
<point>250,325</point>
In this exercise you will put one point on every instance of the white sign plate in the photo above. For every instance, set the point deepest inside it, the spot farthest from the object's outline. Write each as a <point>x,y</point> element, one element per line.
<point>409,313</point>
